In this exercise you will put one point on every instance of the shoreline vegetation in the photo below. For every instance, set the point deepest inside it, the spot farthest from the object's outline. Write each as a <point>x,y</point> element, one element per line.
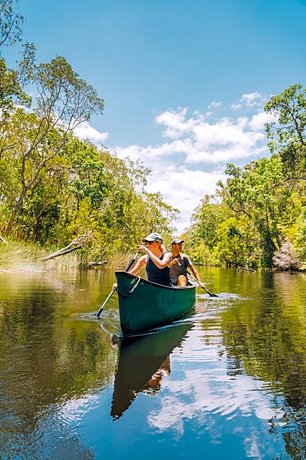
<point>28,257</point>
<point>56,189</point>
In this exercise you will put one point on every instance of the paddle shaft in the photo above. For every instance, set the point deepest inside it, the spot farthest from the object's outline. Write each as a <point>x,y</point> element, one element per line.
<point>105,302</point>
<point>132,262</point>
<point>114,288</point>
<point>203,287</point>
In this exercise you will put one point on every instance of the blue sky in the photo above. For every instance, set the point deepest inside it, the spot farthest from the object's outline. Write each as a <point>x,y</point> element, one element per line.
<point>184,81</point>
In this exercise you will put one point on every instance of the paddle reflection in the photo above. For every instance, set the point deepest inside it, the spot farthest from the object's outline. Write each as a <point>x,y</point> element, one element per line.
<point>143,363</point>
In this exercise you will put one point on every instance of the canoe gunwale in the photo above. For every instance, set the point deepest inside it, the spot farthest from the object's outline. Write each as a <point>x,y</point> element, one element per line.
<point>151,283</point>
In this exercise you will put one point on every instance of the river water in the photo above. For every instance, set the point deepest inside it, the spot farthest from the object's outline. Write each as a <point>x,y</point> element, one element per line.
<point>228,381</point>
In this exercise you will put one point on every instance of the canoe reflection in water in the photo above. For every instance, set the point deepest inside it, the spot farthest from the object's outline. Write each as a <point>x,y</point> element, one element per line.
<point>153,384</point>
<point>143,362</point>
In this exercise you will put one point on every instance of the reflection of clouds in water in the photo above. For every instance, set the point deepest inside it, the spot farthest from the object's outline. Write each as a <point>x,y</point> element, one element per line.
<point>210,398</point>
<point>58,431</point>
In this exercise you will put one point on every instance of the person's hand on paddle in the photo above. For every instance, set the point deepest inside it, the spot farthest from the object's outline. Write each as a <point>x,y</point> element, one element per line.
<point>142,249</point>
<point>174,261</point>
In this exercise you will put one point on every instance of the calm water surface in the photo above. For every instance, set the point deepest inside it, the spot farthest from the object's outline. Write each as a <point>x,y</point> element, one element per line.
<point>228,381</point>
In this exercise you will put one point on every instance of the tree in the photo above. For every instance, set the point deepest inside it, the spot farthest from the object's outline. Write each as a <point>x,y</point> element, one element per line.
<point>64,101</point>
<point>236,242</point>
<point>288,131</point>
<point>10,23</point>
<point>206,219</point>
<point>10,91</point>
<point>258,193</point>
<point>128,212</point>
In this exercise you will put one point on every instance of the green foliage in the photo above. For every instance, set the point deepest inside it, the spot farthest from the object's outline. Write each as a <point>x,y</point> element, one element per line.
<point>207,218</point>
<point>54,187</point>
<point>261,205</point>
<point>289,109</point>
<point>80,191</point>
<point>237,243</point>
<point>64,100</point>
<point>33,141</point>
<point>10,23</point>
<point>10,91</point>
<point>287,132</point>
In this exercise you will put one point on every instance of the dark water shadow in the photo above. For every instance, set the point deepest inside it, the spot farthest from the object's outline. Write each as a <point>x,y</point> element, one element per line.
<point>142,363</point>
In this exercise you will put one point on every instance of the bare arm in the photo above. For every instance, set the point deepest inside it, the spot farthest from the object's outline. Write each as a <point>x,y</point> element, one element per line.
<point>141,262</point>
<point>159,263</point>
<point>196,275</point>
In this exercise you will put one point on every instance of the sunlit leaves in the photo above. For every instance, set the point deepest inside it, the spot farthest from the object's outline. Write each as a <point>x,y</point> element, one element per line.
<point>10,23</point>
<point>288,131</point>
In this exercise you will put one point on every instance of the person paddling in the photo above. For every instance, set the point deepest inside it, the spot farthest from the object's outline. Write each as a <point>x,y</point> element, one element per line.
<point>155,260</point>
<point>179,263</point>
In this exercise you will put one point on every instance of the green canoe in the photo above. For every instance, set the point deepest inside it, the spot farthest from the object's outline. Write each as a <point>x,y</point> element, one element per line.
<point>144,305</point>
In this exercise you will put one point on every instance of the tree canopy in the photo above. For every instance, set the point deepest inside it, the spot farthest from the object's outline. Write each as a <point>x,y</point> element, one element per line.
<point>55,187</point>
<point>260,210</point>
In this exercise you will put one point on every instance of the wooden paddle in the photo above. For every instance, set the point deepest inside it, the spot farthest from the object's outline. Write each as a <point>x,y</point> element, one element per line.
<point>203,287</point>
<point>97,315</point>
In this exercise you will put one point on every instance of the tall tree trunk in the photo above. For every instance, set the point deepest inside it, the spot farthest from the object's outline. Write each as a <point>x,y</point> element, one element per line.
<point>14,212</point>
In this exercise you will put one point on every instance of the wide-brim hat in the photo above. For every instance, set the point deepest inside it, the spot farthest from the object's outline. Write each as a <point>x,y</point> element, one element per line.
<point>153,237</point>
<point>177,241</point>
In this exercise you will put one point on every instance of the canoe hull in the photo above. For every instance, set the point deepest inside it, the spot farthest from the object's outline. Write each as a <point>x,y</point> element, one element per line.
<point>144,305</point>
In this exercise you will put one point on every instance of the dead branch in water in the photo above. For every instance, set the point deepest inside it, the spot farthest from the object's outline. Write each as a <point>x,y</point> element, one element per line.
<point>76,244</point>
<point>96,264</point>
<point>246,269</point>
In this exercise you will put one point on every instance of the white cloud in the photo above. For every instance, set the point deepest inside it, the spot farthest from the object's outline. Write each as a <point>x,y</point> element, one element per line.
<point>224,141</point>
<point>207,393</point>
<point>190,160</point>
<point>214,105</point>
<point>136,152</point>
<point>259,119</point>
<point>249,100</point>
<point>183,189</point>
<point>252,99</point>
<point>176,122</point>
<point>87,132</point>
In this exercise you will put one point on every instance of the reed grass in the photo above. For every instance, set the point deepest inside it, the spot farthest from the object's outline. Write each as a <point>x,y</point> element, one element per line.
<point>22,255</point>
<point>17,254</point>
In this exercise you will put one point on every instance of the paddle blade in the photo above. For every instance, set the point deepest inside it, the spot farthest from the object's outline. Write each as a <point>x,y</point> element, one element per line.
<point>212,294</point>
<point>97,315</point>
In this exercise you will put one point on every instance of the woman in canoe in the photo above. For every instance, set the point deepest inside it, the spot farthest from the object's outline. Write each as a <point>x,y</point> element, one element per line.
<point>155,259</point>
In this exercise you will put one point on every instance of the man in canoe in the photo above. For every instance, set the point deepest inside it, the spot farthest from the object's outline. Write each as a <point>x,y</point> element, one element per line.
<point>179,263</point>
<point>155,259</point>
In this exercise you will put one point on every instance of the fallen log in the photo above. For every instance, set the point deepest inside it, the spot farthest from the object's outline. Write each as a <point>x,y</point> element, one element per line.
<point>76,244</point>
<point>245,269</point>
<point>62,252</point>
<point>96,264</point>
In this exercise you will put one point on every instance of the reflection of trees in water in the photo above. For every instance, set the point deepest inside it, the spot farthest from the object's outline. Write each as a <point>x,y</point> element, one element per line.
<point>45,359</point>
<point>267,340</point>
